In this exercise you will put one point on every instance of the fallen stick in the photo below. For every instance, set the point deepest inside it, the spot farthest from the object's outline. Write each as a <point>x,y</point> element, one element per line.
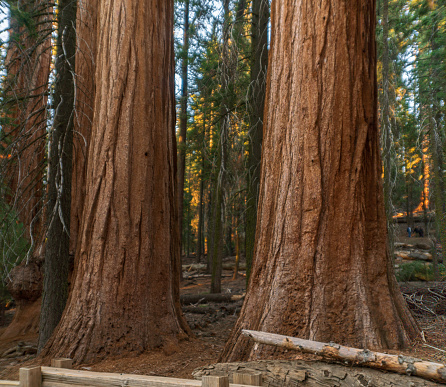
<point>204,298</point>
<point>361,357</point>
<point>203,267</point>
<point>209,309</point>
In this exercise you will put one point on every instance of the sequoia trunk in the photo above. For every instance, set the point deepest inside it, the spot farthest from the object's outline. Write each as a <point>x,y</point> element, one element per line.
<point>27,65</point>
<point>125,296</point>
<point>86,29</point>
<point>322,269</point>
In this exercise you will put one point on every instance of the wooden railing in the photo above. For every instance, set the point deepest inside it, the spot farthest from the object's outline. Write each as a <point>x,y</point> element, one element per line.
<point>61,374</point>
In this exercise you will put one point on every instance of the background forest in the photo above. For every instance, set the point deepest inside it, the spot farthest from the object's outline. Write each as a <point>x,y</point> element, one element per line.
<point>221,65</point>
<point>411,80</point>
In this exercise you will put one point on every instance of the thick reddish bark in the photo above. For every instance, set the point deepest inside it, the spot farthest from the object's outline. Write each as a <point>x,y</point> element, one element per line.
<point>125,296</point>
<point>322,270</point>
<point>28,67</point>
<point>86,30</point>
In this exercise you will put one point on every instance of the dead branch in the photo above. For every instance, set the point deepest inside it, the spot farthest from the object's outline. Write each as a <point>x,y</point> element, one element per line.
<point>361,357</point>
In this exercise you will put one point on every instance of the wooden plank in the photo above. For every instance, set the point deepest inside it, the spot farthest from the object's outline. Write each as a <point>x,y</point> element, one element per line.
<point>9,383</point>
<point>30,377</point>
<point>247,379</point>
<point>65,363</point>
<point>62,363</point>
<point>361,357</point>
<point>215,381</point>
<point>58,377</point>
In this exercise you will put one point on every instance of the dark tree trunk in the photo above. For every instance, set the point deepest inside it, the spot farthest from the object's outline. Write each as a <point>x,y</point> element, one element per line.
<point>386,127</point>
<point>200,214</point>
<point>210,227</point>
<point>55,286</point>
<point>125,296</point>
<point>220,178</point>
<point>228,232</point>
<point>256,103</point>
<point>322,270</point>
<point>183,115</point>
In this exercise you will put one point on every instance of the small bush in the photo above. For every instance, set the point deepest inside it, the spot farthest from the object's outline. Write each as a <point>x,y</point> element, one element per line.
<point>418,271</point>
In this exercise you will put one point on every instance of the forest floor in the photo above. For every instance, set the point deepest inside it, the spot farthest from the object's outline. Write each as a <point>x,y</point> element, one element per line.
<point>210,332</point>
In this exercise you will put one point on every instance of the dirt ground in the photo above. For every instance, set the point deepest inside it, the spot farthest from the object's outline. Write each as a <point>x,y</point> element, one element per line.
<point>210,332</point>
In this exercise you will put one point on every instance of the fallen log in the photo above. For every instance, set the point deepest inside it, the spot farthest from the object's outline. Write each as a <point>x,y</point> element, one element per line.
<point>204,298</point>
<point>203,267</point>
<point>362,357</point>
<point>209,309</point>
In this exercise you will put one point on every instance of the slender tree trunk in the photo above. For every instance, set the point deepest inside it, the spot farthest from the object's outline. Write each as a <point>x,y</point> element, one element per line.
<point>256,102</point>
<point>237,255</point>
<point>200,214</point>
<point>125,296</point>
<point>438,144</point>
<point>210,227</point>
<point>229,250</point>
<point>426,180</point>
<point>183,114</point>
<point>86,30</point>
<point>55,285</point>
<point>220,181</point>
<point>386,128</point>
<point>188,217</point>
<point>322,269</point>
<point>408,212</point>
<point>439,190</point>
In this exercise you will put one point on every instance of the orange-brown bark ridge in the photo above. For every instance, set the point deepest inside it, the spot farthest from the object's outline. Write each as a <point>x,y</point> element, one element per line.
<point>321,268</point>
<point>125,296</point>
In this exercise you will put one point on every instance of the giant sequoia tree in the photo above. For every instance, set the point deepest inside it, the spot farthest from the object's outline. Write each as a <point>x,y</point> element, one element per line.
<point>27,66</point>
<point>322,269</point>
<point>125,295</point>
<point>86,28</point>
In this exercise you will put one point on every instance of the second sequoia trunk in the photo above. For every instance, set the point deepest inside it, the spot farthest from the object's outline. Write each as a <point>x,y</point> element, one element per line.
<point>125,296</point>
<point>322,270</point>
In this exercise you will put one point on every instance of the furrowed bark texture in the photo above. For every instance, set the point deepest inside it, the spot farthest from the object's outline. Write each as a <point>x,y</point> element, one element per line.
<point>86,30</point>
<point>56,266</point>
<point>125,296</point>
<point>28,67</point>
<point>322,269</point>
<point>259,32</point>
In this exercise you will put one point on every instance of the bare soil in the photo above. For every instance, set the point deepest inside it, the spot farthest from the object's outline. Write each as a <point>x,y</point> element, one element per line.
<point>210,332</point>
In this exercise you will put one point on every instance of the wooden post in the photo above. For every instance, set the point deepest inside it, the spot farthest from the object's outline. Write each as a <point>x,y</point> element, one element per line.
<point>247,379</point>
<point>215,381</point>
<point>62,363</point>
<point>30,377</point>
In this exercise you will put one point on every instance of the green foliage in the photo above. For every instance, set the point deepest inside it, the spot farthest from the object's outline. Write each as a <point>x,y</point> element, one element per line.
<point>206,96</point>
<point>418,271</point>
<point>14,247</point>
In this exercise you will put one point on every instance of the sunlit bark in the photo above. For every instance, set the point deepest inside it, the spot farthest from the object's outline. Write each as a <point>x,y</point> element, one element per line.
<point>125,296</point>
<point>322,269</point>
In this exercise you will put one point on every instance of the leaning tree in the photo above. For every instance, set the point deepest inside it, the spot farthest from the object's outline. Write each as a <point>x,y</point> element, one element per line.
<point>322,270</point>
<point>125,295</point>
